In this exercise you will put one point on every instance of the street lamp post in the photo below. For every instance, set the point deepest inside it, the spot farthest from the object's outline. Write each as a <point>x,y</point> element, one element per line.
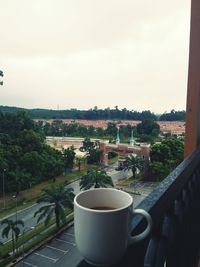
<point>4,199</point>
<point>15,197</point>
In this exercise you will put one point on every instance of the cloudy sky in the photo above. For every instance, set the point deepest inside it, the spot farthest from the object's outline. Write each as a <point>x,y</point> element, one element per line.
<point>85,53</point>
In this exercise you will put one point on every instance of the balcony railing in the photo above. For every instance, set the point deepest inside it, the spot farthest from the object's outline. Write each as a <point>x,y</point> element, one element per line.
<point>175,209</point>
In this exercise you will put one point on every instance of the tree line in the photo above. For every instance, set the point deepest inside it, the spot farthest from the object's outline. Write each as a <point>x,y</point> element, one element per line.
<point>97,114</point>
<point>173,116</point>
<point>146,131</point>
<point>26,159</point>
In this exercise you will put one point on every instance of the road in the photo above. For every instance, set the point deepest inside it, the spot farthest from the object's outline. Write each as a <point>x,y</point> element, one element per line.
<point>27,215</point>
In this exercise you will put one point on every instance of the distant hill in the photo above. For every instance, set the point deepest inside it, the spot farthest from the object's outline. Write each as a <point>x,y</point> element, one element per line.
<point>173,116</point>
<point>10,109</point>
<point>97,114</point>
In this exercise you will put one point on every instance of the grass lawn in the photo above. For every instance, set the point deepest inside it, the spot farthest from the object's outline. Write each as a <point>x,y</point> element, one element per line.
<point>113,160</point>
<point>28,197</point>
<point>128,181</point>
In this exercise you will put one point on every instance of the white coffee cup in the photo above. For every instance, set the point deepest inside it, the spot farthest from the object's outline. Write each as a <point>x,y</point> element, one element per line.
<point>103,235</point>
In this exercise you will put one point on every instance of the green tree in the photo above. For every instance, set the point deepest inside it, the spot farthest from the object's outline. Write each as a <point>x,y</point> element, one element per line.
<point>159,170</point>
<point>79,160</point>
<point>91,130</point>
<point>95,178</point>
<point>52,163</point>
<point>93,151</point>
<point>94,156</point>
<point>134,163</point>
<point>13,227</point>
<point>111,129</point>
<point>149,127</point>
<point>99,132</point>
<point>59,197</point>
<point>57,127</point>
<point>30,140</point>
<point>68,157</point>
<point>87,145</point>
<point>31,162</point>
<point>170,149</point>
<point>24,154</point>
<point>160,152</point>
<point>146,114</point>
<point>72,129</point>
<point>21,179</point>
<point>166,156</point>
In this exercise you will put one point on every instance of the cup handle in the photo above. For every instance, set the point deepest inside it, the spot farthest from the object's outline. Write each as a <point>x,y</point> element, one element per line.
<point>141,236</point>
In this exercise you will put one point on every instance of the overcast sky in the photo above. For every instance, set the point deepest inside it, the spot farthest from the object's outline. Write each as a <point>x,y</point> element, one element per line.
<point>85,53</point>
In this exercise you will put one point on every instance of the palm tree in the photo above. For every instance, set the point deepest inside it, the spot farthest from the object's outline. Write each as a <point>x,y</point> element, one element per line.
<point>134,163</point>
<point>80,160</point>
<point>58,197</point>
<point>95,178</point>
<point>15,230</point>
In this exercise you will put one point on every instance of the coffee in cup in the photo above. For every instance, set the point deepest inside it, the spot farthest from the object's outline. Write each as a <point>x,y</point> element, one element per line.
<point>102,223</point>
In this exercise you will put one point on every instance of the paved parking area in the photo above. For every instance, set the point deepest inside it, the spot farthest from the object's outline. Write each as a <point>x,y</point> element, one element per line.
<point>61,251</point>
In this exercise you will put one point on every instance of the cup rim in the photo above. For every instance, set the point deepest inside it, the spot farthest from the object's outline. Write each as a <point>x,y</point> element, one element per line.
<point>103,211</point>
